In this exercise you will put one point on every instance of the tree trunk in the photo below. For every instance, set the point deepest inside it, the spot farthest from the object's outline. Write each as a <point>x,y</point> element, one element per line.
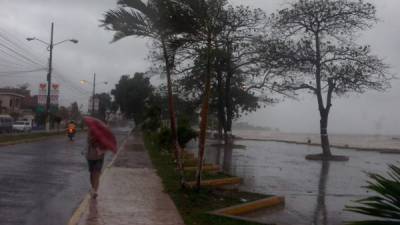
<point>228,98</point>
<point>227,159</point>
<point>172,113</point>
<point>326,150</point>
<point>221,107</point>
<point>324,112</point>
<point>229,118</point>
<point>204,115</point>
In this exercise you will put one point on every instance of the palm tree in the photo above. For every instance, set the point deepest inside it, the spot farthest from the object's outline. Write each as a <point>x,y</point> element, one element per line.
<point>386,204</point>
<point>164,21</point>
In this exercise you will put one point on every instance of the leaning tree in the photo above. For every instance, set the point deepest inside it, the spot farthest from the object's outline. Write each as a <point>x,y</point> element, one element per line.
<point>315,41</point>
<point>205,17</point>
<point>163,21</point>
<point>208,23</point>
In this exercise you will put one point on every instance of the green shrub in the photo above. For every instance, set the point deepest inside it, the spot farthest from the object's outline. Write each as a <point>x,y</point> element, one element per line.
<point>386,204</point>
<point>185,132</point>
<point>164,138</point>
<point>152,121</point>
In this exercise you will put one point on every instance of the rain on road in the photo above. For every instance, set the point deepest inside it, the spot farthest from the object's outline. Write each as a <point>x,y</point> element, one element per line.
<point>43,182</point>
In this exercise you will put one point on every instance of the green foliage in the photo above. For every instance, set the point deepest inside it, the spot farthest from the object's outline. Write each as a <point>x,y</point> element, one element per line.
<point>339,63</point>
<point>104,105</point>
<point>386,204</point>
<point>152,121</point>
<point>233,61</point>
<point>154,19</point>
<point>131,93</point>
<point>185,132</point>
<point>164,138</point>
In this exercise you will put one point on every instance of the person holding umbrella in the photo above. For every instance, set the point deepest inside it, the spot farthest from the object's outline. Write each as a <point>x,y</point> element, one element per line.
<point>100,139</point>
<point>95,159</point>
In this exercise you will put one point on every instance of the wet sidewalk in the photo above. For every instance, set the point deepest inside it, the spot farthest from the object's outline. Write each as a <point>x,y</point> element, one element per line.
<point>130,193</point>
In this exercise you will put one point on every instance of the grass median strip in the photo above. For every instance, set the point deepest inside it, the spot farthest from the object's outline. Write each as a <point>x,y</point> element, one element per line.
<point>195,205</point>
<point>9,139</point>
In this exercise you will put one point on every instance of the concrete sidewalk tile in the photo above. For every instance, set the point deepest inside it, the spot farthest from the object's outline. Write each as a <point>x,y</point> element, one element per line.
<point>131,196</point>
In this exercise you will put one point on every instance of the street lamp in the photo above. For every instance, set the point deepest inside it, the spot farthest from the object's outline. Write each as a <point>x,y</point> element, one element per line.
<point>94,88</point>
<point>50,49</point>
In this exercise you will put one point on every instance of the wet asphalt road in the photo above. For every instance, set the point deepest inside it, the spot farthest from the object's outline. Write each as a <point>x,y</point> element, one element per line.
<point>43,182</point>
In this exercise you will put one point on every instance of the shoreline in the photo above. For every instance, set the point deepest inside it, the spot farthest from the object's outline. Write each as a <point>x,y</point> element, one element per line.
<point>382,150</point>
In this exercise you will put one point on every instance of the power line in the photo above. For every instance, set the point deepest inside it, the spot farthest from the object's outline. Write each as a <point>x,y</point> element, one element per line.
<point>71,84</point>
<point>5,73</point>
<point>12,47</point>
<point>19,54</point>
<point>11,56</point>
<point>21,45</point>
<point>6,63</point>
<point>16,56</point>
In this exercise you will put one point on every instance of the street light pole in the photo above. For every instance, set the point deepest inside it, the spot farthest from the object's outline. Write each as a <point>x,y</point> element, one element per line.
<point>92,105</point>
<point>50,49</point>
<point>49,79</point>
<point>94,92</point>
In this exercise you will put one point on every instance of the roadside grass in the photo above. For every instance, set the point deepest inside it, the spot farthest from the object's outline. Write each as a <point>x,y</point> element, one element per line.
<point>25,137</point>
<point>194,205</point>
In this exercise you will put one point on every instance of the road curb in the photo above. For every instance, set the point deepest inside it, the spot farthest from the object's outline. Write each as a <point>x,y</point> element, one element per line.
<point>238,212</point>
<point>77,214</point>
<point>30,140</point>
<point>245,208</point>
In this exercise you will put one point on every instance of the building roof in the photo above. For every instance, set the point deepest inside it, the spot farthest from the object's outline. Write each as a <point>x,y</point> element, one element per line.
<point>11,94</point>
<point>17,92</point>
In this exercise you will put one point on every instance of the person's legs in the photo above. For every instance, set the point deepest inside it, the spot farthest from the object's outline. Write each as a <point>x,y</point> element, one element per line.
<point>91,179</point>
<point>92,170</point>
<point>95,173</point>
<point>96,180</point>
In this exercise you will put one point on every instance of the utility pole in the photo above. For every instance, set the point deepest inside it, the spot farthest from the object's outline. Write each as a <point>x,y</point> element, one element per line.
<point>50,49</point>
<point>94,92</point>
<point>91,106</point>
<point>49,79</point>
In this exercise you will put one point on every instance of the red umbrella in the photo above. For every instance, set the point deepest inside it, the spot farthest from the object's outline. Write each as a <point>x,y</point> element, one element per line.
<point>101,133</point>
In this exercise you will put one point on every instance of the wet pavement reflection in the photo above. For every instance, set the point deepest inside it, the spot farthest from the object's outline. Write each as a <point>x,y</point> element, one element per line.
<point>43,182</point>
<point>315,192</point>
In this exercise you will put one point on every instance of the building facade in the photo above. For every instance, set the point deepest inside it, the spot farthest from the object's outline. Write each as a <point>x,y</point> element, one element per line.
<point>10,101</point>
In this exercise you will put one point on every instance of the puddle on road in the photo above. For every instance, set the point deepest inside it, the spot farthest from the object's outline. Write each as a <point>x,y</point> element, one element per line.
<point>315,192</point>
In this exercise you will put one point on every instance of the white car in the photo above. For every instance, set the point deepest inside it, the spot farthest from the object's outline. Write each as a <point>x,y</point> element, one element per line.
<point>22,126</point>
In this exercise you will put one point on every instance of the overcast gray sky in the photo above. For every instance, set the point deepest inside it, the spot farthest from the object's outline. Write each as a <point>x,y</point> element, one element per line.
<point>372,112</point>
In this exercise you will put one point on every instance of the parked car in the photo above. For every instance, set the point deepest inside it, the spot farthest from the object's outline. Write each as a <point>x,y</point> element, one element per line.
<point>22,126</point>
<point>6,123</point>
